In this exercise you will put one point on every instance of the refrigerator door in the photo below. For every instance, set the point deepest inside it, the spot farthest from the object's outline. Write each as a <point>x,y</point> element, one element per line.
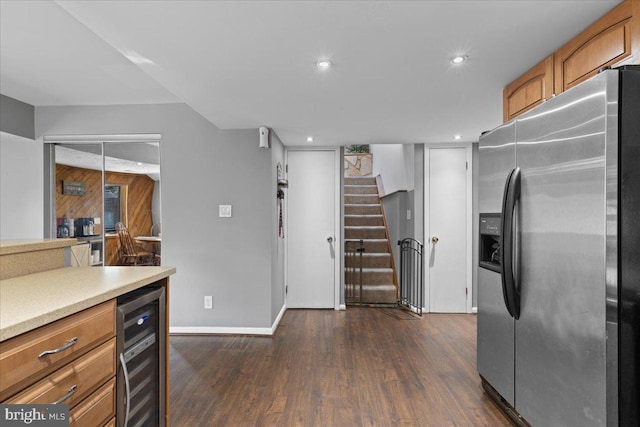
<point>560,336</point>
<point>495,324</point>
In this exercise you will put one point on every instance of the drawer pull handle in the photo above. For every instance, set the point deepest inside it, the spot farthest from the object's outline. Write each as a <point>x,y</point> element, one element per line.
<point>63,347</point>
<point>70,393</point>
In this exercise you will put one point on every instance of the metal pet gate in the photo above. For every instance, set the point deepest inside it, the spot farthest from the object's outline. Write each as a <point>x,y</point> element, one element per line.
<point>353,272</point>
<point>411,277</point>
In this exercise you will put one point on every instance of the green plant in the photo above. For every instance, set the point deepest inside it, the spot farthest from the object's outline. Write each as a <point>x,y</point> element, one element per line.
<point>356,149</point>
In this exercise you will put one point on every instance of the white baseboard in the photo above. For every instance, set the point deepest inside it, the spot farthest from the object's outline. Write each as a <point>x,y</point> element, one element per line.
<point>228,330</point>
<point>342,307</point>
<point>474,310</point>
<point>278,318</point>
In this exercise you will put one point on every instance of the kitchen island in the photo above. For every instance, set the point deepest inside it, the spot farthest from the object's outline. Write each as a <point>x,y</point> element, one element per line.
<point>58,335</point>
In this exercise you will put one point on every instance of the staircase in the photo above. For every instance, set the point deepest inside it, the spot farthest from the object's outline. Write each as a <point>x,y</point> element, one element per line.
<point>363,220</point>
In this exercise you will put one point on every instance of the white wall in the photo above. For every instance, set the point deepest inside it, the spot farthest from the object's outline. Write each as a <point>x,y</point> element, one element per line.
<point>394,163</point>
<point>21,188</point>
<point>201,168</point>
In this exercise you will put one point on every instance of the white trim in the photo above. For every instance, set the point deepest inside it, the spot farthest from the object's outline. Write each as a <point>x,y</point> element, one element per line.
<point>278,319</point>
<point>82,139</point>
<point>342,307</point>
<point>217,330</point>
<point>228,330</point>
<point>469,214</point>
<point>474,310</point>
<point>337,233</point>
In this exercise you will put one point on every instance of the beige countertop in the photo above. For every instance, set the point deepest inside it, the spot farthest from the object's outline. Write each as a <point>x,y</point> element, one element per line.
<point>17,246</point>
<point>28,302</point>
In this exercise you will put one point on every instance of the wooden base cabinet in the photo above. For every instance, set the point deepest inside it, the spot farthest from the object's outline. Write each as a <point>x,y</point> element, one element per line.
<point>70,361</point>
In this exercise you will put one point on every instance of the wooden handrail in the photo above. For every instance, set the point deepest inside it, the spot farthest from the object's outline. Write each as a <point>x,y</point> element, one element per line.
<point>386,228</point>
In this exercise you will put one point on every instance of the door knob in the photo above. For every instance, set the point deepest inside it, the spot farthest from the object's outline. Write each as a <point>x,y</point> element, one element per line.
<point>330,239</point>
<point>435,239</point>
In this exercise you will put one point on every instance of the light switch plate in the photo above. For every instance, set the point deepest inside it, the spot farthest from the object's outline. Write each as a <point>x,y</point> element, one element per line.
<point>224,211</point>
<point>408,214</point>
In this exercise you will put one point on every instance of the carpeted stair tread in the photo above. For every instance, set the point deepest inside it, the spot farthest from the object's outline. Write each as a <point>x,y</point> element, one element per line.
<point>356,199</point>
<point>361,189</point>
<point>359,180</point>
<point>362,209</point>
<point>369,260</point>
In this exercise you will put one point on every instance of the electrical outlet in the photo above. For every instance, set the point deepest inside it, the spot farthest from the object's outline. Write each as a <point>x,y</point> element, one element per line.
<point>96,221</point>
<point>208,302</point>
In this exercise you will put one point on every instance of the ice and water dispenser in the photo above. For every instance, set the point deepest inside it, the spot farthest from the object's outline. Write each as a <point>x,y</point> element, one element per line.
<point>490,241</point>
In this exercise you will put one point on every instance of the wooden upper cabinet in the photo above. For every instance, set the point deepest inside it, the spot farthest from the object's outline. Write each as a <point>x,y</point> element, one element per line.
<point>529,90</point>
<point>611,41</point>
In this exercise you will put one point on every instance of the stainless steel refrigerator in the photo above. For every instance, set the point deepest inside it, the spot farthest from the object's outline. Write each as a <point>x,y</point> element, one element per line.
<point>559,273</point>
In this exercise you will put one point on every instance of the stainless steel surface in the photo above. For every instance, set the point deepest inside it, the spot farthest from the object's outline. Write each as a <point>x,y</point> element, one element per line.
<point>63,347</point>
<point>140,343</point>
<point>495,336</point>
<point>127,386</point>
<point>611,246</point>
<point>495,325</point>
<point>497,156</point>
<point>560,336</point>
<point>435,239</point>
<point>70,392</point>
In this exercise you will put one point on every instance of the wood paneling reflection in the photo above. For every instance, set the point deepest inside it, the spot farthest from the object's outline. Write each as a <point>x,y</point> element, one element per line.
<point>139,201</point>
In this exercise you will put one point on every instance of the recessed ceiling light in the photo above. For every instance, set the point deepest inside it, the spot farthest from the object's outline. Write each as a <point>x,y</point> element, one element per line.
<point>457,137</point>
<point>323,64</point>
<point>459,59</point>
<point>309,139</point>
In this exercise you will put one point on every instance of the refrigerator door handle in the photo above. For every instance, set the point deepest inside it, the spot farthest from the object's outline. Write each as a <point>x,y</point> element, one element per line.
<point>510,198</point>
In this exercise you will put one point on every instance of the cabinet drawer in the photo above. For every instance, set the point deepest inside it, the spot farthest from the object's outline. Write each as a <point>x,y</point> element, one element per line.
<point>22,360</point>
<point>83,375</point>
<point>111,423</point>
<point>97,409</point>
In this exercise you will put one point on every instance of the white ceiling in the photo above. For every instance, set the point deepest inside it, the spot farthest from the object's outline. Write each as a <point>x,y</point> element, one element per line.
<point>251,63</point>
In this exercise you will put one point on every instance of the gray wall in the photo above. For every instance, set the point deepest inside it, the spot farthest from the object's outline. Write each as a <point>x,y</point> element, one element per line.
<point>201,168</point>
<point>395,208</point>
<point>16,117</point>
<point>21,188</point>
<point>277,244</point>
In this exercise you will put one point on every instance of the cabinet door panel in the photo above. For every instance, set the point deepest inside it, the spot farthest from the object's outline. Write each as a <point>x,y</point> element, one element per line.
<point>73,382</point>
<point>529,90</point>
<point>19,356</point>
<point>96,409</point>
<point>612,40</point>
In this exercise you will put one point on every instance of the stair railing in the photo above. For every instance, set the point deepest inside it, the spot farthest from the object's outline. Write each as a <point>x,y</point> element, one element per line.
<point>411,275</point>
<point>381,194</point>
<point>354,252</point>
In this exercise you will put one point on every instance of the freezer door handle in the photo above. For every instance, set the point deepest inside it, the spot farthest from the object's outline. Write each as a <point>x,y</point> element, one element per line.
<point>510,198</point>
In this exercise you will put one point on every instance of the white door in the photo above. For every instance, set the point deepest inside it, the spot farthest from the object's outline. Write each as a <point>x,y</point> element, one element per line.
<point>446,244</point>
<point>310,227</point>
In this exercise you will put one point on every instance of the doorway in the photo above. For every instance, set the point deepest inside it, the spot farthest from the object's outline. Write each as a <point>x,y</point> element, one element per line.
<point>313,238</point>
<point>448,228</point>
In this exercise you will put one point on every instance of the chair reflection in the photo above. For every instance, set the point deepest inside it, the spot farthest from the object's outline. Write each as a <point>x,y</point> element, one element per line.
<point>130,253</point>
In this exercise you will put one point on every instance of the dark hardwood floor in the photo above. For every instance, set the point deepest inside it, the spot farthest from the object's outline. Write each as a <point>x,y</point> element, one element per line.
<point>360,367</point>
